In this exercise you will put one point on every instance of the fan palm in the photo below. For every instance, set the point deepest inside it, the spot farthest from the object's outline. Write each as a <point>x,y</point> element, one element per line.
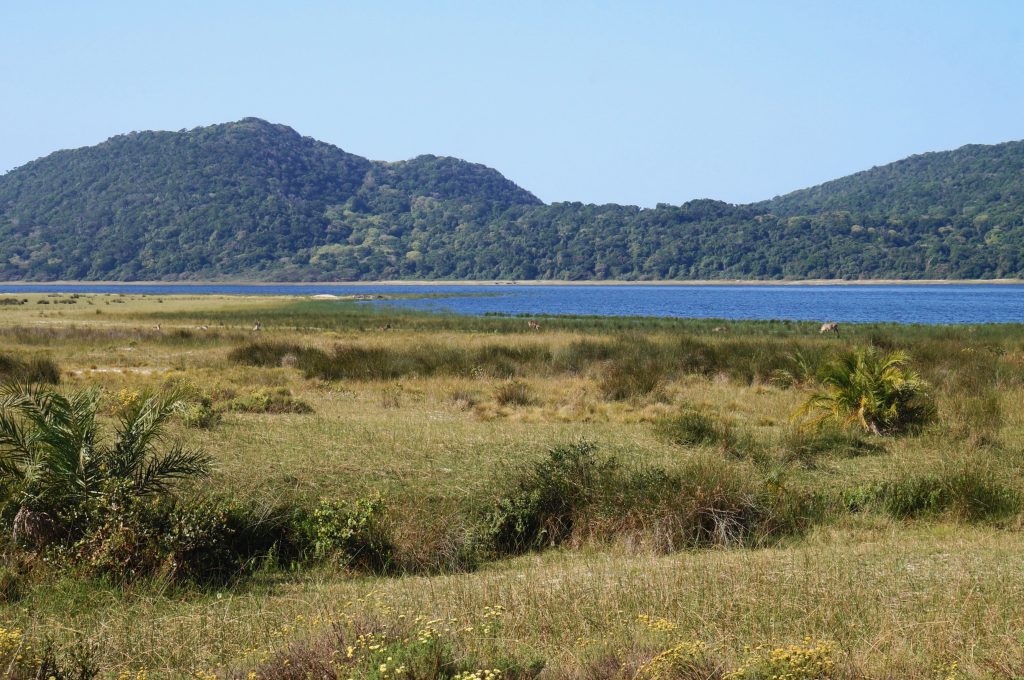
<point>53,457</point>
<point>875,391</point>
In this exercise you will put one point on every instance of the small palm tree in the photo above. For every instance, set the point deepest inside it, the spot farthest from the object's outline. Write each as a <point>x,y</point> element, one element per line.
<point>53,458</point>
<point>876,391</point>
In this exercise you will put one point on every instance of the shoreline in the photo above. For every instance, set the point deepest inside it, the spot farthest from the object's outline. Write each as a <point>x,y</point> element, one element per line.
<point>536,282</point>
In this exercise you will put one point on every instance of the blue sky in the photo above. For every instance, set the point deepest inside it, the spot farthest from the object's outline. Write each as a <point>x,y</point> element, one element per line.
<point>627,102</point>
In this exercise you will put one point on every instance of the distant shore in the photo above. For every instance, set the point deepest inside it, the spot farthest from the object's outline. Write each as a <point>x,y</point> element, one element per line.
<point>535,282</point>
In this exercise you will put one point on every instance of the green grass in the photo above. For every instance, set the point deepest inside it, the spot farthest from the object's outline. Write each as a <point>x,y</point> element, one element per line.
<point>905,551</point>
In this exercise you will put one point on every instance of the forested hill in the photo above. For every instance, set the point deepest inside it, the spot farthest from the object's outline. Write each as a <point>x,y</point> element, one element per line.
<point>253,200</point>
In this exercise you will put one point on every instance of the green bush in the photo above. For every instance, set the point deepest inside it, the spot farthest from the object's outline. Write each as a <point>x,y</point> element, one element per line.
<point>266,400</point>
<point>200,415</point>
<point>573,494</point>
<point>354,533</point>
<point>57,464</point>
<point>540,509</point>
<point>877,392</point>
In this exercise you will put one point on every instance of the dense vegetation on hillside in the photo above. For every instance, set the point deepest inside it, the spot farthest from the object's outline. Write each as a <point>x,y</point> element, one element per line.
<point>258,201</point>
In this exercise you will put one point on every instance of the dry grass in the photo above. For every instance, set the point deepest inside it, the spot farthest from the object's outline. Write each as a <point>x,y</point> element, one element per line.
<point>899,598</point>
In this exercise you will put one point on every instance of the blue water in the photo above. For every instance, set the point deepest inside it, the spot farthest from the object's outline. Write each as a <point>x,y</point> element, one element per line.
<point>907,303</point>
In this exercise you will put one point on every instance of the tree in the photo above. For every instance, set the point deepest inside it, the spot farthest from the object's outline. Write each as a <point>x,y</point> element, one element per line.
<point>54,460</point>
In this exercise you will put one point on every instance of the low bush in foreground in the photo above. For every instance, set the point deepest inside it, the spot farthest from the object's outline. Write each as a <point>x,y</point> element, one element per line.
<point>574,495</point>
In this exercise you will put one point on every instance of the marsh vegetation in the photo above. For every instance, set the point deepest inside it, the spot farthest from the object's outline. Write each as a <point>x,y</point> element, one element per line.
<point>352,492</point>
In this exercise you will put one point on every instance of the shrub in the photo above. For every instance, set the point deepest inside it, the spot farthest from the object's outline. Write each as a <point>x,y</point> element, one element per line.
<point>279,400</point>
<point>574,494</point>
<point>354,533</point>
<point>539,510</point>
<point>514,393</point>
<point>683,661</point>
<point>200,415</point>
<point>56,463</point>
<point>375,650</point>
<point>874,391</point>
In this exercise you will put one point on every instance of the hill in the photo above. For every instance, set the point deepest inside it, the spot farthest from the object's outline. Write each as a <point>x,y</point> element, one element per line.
<point>254,200</point>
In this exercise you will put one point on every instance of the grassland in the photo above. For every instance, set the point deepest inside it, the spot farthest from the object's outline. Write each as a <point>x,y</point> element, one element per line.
<point>891,556</point>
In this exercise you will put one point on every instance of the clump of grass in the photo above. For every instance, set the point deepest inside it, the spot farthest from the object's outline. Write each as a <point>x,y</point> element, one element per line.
<point>269,400</point>
<point>35,370</point>
<point>636,370</point>
<point>977,418</point>
<point>265,354</point>
<point>968,492</point>
<point>514,393</point>
<point>801,372</point>
<point>691,428</point>
<point>806,446</point>
<point>464,399</point>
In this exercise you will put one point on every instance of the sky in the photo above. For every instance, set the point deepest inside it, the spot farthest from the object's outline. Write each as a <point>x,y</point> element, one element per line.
<point>636,102</point>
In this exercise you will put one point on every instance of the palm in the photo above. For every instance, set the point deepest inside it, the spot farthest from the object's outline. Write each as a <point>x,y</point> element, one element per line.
<point>877,392</point>
<point>53,458</point>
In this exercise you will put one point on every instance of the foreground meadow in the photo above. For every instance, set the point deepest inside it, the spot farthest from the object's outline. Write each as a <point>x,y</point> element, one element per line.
<point>422,496</point>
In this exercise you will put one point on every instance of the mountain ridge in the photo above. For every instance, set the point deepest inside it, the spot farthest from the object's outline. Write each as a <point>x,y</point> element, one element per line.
<point>257,200</point>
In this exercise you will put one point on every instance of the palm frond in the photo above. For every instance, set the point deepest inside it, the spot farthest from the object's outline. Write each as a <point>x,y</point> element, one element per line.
<point>178,463</point>
<point>139,427</point>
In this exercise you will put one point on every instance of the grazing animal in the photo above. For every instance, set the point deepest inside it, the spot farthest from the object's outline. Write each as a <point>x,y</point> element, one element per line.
<point>157,328</point>
<point>203,328</point>
<point>718,329</point>
<point>257,327</point>
<point>829,327</point>
<point>533,325</point>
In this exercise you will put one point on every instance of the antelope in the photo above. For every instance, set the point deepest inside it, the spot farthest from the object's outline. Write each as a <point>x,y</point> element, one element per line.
<point>157,328</point>
<point>257,327</point>
<point>533,325</point>
<point>829,327</point>
<point>203,328</point>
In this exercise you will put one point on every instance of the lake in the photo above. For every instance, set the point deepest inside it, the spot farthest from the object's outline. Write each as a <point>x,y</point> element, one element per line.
<point>901,303</point>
